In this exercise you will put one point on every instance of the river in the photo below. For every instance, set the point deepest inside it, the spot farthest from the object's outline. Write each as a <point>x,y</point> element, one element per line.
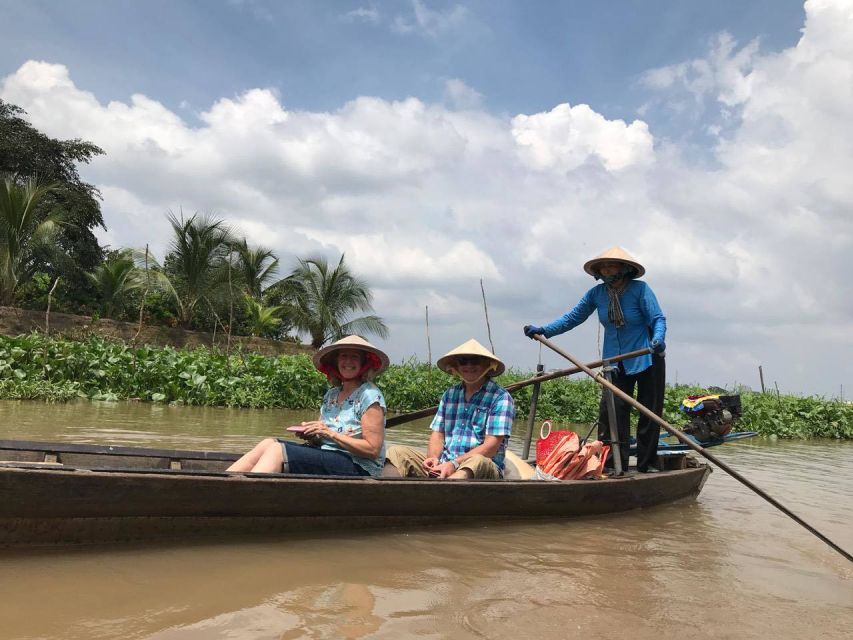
<point>725,565</point>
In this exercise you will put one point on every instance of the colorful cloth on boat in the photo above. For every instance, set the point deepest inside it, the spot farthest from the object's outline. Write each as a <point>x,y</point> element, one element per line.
<point>465,424</point>
<point>644,322</point>
<point>346,418</point>
<point>694,404</point>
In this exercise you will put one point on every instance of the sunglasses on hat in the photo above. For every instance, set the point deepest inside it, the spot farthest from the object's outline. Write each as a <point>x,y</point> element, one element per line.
<point>465,360</point>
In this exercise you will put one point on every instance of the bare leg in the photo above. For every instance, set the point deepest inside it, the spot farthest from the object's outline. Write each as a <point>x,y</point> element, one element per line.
<point>267,454</point>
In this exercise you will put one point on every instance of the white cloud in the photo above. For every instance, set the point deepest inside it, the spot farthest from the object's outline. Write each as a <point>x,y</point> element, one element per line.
<point>566,137</point>
<point>430,22</point>
<point>460,95</point>
<point>750,258</point>
<point>364,14</point>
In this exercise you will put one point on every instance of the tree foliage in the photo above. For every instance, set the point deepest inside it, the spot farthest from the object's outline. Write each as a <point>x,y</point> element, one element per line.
<point>115,280</point>
<point>320,300</point>
<point>31,154</point>
<point>256,267</point>
<point>196,270</point>
<point>27,240</point>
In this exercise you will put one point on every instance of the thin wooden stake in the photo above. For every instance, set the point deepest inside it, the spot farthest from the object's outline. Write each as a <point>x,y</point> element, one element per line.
<point>486,309</point>
<point>144,295</point>
<point>230,307</point>
<point>429,345</point>
<point>49,300</point>
<point>761,375</point>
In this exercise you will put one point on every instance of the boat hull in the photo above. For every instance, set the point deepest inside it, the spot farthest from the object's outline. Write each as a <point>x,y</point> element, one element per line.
<point>50,503</point>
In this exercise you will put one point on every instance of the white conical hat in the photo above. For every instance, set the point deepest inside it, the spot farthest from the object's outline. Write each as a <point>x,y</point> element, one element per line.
<point>613,253</point>
<point>470,348</point>
<point>324,356</point>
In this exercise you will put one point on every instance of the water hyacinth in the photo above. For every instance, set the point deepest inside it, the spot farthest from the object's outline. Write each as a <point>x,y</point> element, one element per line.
<point>58,369</point>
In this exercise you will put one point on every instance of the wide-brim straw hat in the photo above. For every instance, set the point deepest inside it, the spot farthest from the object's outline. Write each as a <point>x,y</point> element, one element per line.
<point>325,357</point>
<point>613,253</point>
<point>470,348</point>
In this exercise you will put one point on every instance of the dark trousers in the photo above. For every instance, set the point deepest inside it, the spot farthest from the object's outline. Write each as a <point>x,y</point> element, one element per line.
<point>650,390</point>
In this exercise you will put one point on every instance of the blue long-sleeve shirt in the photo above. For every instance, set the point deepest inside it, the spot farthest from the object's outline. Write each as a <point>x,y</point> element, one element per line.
<point>644,321</point>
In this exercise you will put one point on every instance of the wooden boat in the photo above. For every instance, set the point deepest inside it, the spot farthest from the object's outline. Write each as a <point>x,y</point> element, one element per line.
<point>55,493</point>
<point>667,443</point>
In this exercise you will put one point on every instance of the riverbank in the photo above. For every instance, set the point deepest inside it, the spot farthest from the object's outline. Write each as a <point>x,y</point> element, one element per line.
<point>15,321</point>
<point>38,367</point>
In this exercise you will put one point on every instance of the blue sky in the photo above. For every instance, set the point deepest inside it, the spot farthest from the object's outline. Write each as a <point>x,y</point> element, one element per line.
<point>438,142</point>
<point>522,56</point>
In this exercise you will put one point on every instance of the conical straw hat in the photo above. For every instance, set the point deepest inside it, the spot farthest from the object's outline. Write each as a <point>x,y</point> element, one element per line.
<point>324,357</point>
<point>613,253</point>
<point>470,348</point>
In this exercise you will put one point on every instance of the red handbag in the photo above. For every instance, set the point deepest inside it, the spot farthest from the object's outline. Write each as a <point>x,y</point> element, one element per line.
<point>547,442</point>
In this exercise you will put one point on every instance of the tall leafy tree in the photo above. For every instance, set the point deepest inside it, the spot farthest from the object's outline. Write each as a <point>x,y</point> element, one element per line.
<point>196,269</point>
<point>29,153</point>
<point>323,297</point>
<point>256,266</point>
<point>115,280</point>
<point>27,239</point>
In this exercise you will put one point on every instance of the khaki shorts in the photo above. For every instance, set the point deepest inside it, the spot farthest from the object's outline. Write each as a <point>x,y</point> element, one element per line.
<point>409,462</point>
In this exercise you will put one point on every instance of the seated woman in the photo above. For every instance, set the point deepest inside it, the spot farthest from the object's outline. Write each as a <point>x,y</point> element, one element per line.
<point>349,437</point>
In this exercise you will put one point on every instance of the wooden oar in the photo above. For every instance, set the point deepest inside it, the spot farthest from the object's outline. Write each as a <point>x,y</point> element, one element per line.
<point>690,443</point>
<point>423,413</point>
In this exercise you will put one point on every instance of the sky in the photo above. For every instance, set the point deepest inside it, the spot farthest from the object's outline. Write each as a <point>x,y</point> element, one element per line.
<point>440,143</point>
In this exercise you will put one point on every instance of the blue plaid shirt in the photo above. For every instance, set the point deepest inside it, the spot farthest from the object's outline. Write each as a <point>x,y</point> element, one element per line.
<point>465,425</point>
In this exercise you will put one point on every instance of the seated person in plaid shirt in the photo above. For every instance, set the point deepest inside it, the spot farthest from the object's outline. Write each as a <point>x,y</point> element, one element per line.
<point>472,425</point>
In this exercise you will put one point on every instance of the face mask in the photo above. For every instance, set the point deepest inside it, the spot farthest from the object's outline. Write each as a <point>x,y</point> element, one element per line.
<point>624,273</point>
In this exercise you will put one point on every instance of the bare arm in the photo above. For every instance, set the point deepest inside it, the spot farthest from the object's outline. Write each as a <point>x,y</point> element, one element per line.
<point>372,433</point>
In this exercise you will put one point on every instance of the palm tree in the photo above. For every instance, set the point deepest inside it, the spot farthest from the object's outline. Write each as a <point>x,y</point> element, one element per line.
<point>115,279</point>
<point>24,236</point>
<point>256,266</point>
<point>197,264</point>
<point>262,320</point>
<point>321,299</point>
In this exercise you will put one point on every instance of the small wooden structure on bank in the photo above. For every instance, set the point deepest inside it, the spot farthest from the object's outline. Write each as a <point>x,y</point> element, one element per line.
<point>54,493</point>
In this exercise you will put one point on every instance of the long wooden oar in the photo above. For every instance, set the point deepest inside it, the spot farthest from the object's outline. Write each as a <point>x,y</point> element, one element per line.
<point>690,443</point>
<point>423,413</point>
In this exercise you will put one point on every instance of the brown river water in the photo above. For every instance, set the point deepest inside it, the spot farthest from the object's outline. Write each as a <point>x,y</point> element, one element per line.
<point>725,565</point>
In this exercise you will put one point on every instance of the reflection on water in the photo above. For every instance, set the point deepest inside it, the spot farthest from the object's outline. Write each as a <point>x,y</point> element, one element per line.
<point>726,565</point>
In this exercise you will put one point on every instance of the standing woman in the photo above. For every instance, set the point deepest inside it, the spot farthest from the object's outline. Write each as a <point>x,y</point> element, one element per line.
<point>349,437</point>
<point>632,320</point>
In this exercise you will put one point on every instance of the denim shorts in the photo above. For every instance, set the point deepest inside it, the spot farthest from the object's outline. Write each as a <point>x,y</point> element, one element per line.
<point>305,459</point>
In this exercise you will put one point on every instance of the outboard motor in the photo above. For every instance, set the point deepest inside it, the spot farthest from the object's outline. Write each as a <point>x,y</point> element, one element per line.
<point>710,417</point>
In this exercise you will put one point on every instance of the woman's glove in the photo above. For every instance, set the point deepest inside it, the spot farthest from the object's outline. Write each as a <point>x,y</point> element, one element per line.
<point>658,346</point>
<point>531,330</point>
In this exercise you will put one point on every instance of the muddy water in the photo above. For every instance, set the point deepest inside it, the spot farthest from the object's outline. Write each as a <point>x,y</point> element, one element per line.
<point>726,565</point>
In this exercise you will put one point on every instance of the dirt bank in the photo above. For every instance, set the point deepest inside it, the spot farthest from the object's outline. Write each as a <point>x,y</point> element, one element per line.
<point>15,321</point>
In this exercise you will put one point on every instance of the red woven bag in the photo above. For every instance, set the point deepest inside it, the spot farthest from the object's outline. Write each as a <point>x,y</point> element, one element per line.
<point>547,442</point>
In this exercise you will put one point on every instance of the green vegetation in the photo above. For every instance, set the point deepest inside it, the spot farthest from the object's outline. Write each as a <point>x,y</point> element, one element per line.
<point>58,369</point>
<point>321,298</point>
<point>210,279</point>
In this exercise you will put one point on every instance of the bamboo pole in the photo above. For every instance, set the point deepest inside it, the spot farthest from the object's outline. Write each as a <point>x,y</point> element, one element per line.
<point>691,444</point>
<point>423,413</point>
<point>429,345</point>
<point>486,309</point>
<point>531,417</point>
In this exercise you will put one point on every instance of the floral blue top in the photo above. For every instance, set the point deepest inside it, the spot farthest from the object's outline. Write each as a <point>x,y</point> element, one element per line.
<point>346,418</point>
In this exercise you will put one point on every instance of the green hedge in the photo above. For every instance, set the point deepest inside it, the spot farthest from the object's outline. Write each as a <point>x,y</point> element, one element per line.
<point>57,369</point>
